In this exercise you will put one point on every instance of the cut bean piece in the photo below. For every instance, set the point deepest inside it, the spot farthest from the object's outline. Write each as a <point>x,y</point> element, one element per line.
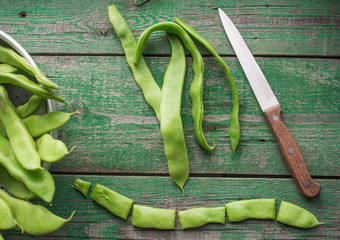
<point>196,217</point>
<point>116,203</point>
<point>82,186</point>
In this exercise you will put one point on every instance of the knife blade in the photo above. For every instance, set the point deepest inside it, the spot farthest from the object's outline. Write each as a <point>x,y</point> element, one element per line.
<point>271,109</point>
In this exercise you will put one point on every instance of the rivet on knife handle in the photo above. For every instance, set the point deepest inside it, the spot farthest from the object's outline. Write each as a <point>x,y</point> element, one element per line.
<point>291,153</point>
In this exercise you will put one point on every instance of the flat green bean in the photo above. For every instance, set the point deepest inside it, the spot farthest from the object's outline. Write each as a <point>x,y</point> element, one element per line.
<point>8,68</point>
<point>17,188</point>
<point>9,56</point>
<point>21,141</point>
<point>234,130</point>
<point>7,220</point>
<point>1,237</point>
<point>253,208</point>
<point>296,216</point>
<point>116,203</point>
<point>171,122</point>
<point>33,219</point>
<point>38,125</point>
<point>150,217</point>
<point>197,217</point>
<point>82,186</point>
<point>32,106</point>
<point>196,89</point>
<point>151,91</point>
<point>51,150</point>
<point>39,181</point>
<point>22,81</point>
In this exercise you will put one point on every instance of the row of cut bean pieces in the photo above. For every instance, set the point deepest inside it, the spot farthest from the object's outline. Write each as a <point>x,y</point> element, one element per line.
<point>150,217</point>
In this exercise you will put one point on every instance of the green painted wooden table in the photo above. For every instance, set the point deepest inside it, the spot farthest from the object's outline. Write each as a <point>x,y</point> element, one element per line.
<point>117,135</point>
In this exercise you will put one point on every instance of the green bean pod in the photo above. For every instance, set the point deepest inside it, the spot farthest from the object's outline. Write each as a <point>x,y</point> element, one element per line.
<point>22,142</point>
<point>1,237</point>
<point>296,216</point>
<point>7,220</point>
<point>8,68</point>
<point>33,219</point>
<point>150,217</point>
<point>9,56</point>
<point>17,188</point>
<point>22,81</point>
<point>2,130</point>
<point>196,89</point>
<point>253,208</point>
<point>171,122</point>
<point>151,91</point>
<point>32,106</point>
<point>82,186</point>
<point>197,217</point>
<point>39,181</point>
<point>234,130</point>
<point>38,125</point>
<point>116,203</point>
<point>51,150</point>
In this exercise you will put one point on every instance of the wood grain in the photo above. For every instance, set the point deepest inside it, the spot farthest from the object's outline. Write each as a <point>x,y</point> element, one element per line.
<point>270,28</point>
<point>95,222</point>
<point>115,122</point>
<point>291,153</point>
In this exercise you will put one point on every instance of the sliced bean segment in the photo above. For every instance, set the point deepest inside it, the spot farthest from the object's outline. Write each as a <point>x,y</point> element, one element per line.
<point>196,217</point>
<point>33,219</point>
<point>9,56</point>
<point>82,186</point>
<point>39,181</point>
<point>296,216</point>
<point>21,141</point>
<point>143,76</point>
<point>32,106</point>
<point>38,125</point>
<point>254,208</point>
<point>234,130</point>
<point>8,68</point>
<point>196,89</point>
<point>171,122</point>
<point>51,150</point>
<point>14,186</point>
<point>7,220</point>
<point>116,203</point>
<point>150,217</point>
<point>22,81</point>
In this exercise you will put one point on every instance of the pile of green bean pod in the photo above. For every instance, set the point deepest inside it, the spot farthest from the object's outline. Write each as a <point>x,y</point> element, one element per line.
<point>25,143</point>
<point>165,219</point>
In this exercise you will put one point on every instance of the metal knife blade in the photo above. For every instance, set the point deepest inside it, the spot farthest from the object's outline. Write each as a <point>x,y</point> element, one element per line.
<point>271,109</point>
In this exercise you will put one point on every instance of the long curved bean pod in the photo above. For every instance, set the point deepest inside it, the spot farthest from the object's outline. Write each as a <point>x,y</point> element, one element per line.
<point>38,125</point>
<point>234,130</point>
<point>39,181</point>
<point>143,76</point>
<point>9,56</point>
<point>22,142</point>
<point>14,186</point>
<point>171,122</point>
<point>196,89</point>
<point>32,106</point>
<point>33,219</point>
<point>22,81</point>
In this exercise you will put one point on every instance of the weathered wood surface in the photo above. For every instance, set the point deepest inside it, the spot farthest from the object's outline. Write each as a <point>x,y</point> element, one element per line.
<point>296,44</point>
<point>115,122</point>
<point>94,222</point>
<point>270,28</point>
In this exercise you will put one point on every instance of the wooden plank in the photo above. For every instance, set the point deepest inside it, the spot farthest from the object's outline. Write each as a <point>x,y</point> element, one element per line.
<point>116,131</point>
<point>94,222</point>
<point>277,28</point>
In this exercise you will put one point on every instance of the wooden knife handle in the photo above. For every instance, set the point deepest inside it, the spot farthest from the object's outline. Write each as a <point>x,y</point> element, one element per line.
<point>292,153</point>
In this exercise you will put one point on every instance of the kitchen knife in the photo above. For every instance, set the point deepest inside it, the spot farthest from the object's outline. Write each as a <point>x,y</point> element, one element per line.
<point>272,110</point>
